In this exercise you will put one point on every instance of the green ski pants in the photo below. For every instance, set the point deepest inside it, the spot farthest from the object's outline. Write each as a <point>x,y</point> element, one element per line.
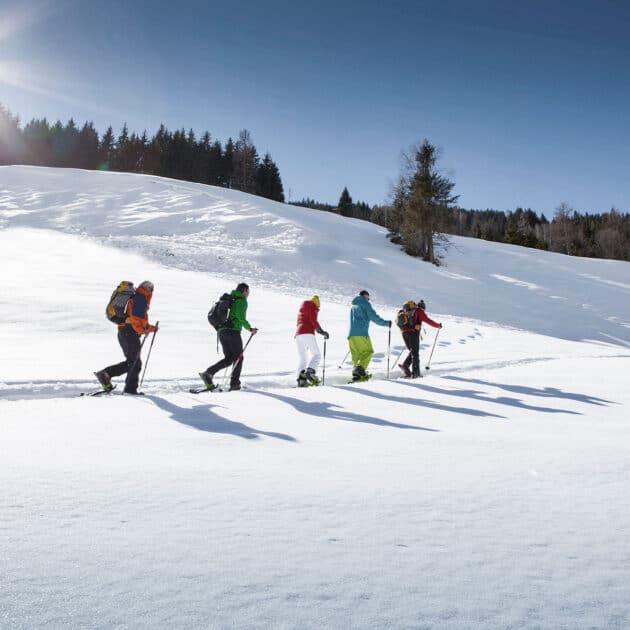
<point>361,350</point>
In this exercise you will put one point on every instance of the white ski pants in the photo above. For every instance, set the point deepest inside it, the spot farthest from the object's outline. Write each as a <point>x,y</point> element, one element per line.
<point>309,355</point>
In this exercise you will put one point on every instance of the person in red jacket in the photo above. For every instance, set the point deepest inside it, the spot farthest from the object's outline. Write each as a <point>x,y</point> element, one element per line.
<point>309,355</point>
<point>129,332</point>
<point>411,337</point>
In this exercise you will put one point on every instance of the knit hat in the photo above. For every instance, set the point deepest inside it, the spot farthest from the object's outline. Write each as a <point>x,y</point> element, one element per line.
<point>147,285</point>
<point>315,300</point>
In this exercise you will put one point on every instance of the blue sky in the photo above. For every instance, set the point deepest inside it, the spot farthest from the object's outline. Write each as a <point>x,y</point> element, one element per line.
<point>529,104</point>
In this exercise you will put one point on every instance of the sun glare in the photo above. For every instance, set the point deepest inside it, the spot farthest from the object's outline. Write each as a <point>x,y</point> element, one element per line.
<point>19,18</point>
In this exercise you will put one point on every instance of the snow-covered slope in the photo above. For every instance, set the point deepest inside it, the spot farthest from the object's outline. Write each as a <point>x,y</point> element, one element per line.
<point>231,234</point>
<point>491,493</point>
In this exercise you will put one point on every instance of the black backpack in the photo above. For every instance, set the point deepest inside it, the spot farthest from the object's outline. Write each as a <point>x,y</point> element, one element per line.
<point>219,314</point>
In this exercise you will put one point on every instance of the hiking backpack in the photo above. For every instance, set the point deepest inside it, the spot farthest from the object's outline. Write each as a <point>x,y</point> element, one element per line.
<point>116,310</point>
<point>218,315</point>
<point>405,316</point>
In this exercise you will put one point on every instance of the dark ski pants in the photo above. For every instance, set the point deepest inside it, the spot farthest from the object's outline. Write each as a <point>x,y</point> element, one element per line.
<point>232,345</point>
<point>412,341</point>
<point>129,341</point>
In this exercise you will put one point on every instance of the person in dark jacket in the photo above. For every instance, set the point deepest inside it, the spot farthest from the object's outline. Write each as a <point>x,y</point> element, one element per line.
<point>231,341</point>
<point>309,355</point>
<point>129,332</point>
<point>411,337</point>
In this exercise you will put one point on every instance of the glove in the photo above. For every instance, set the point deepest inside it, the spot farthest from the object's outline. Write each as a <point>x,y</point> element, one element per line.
<point>149,329</point>
<point>253,331</point>
<point>325,335</point>
<point>389,323</point>
<point>440,325</point>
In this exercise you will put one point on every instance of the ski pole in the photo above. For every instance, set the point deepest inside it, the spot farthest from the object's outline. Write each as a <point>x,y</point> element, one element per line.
<point>398,359</point>
<point>324,365</point>
<point>133,365</point>
<point>149,353</point>
<point>240,356</point>
<point>224,380</point>
<point>389,345</point>
<point>433,348</point>
<point>344,360</point>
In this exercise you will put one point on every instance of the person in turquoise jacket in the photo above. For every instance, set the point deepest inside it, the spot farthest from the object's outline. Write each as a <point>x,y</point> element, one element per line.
<point>361,314</point>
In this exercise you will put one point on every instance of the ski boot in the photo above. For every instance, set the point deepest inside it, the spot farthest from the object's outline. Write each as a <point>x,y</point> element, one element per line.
<point>359,375</point>
<point>302,379</point>
<point>105,380</point>
<point>207,380</point>
<point>405,369</point>
<point>311,378</point>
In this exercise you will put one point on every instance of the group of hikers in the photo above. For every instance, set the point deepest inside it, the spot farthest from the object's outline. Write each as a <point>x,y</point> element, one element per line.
<point>133,322</point>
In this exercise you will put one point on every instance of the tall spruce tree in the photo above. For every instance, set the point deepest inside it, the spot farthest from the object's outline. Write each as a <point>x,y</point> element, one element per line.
<point>245,163</point>
<point>345,207</point>
<point>394,215</point>
<point>106,150</point>
<point>429,195</point>
<point>268,182</point>
<point>88,147</point>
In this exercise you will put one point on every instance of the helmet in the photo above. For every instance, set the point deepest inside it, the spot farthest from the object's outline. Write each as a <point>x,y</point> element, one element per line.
<point>409,306</point>
<point>422,305</point>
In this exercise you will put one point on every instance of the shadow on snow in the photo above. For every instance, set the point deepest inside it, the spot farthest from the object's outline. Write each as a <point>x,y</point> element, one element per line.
<point>421,402</point>
<point>201,417</point>
<point>335,412</point>
<point>546,392</point>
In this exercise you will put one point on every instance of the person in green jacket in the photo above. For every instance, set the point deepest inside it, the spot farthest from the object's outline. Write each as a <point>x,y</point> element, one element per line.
<point>361,314</point>
<point>231,341</point>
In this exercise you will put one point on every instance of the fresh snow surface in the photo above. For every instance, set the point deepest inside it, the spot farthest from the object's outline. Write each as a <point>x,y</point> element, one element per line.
<point>490,494</point>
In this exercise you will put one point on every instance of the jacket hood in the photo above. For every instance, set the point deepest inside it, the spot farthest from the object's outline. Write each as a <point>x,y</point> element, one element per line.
<point>359,300</point>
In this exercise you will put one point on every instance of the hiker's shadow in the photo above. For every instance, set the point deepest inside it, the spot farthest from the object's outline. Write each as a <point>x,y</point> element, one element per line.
<point>473,394</point>
<point>421,402</point>
<point>546,392</point>
<point>202,418</point>
<point>335,412</point>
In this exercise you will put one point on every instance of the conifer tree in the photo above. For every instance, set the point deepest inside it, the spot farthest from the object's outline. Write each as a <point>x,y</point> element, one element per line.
<point>227,165</point>
<point>345,206</point>
<point>394,216</point>
<point>245,163</point>
<point>106,149</point>
<point>36,136</point>
<point>88,147</point>
<point>429,195</point>
<point>268,182</point>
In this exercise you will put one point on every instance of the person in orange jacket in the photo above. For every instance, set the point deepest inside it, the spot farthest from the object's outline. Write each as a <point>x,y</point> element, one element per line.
<point>129,332</point>
<point>309,355</point>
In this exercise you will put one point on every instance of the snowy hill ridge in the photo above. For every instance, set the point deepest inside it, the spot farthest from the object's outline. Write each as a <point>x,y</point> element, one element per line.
<point>290,249</point>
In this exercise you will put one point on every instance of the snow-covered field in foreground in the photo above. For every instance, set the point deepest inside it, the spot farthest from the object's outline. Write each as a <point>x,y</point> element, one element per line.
<point>492,493</point>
